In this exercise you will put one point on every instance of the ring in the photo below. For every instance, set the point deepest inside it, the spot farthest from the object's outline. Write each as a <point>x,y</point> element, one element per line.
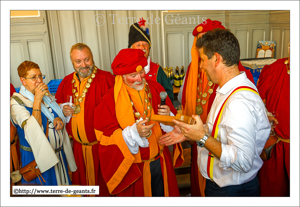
<point>43,90</point>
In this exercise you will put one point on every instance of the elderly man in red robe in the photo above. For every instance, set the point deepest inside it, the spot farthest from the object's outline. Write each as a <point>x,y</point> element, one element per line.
<point>86,86</point>
<point>274,89</point>
<point>132,161</point>
<point>197,95</point>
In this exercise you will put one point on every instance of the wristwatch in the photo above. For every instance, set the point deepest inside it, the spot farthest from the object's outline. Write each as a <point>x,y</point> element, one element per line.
<point>202,141</point>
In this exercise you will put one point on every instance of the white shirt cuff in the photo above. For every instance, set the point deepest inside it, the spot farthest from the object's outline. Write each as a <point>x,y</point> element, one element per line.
<point>133,139</point>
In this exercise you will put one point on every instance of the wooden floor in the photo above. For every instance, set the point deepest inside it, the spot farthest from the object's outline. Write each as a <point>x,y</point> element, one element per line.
<point>183,174</point>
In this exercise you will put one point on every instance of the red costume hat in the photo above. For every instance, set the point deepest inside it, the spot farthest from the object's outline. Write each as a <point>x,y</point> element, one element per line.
<point>206,26</point>
<point>129,61</point>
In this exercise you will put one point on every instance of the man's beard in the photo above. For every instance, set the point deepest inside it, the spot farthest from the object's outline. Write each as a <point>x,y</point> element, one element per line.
<point>139,88</point>
<point>85,75</point>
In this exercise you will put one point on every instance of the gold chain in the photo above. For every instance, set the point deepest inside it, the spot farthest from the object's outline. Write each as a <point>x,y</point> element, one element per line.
<point>78,99</point>
<point>147,105</point>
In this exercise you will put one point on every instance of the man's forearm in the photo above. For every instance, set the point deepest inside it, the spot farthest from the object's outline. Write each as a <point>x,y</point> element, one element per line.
<point>214,146</point>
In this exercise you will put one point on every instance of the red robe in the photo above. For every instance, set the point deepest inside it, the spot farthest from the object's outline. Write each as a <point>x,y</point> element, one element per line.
<point>274,88</point>
<point>102,82</point>
<point>195,190</point>
<point>114,153</point>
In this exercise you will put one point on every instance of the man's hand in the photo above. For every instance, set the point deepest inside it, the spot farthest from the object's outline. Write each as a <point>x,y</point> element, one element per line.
<point>172,137</point>
<point>68,110</point>
<point>192,132</point>
<point>58,124</point>
<point>144,130</point>
<point>163,110</point>
<point>273,122</point>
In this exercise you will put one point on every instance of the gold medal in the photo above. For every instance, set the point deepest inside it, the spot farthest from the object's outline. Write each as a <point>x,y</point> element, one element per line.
<point>150,107</point>
<point>150,95</point>
<point>83,95</point>
<point>75,85</point>
<point>84,90</point>
<point>87,85</point>
<point>80,100</point>
<point>200,93</point>
<point>73,81</point>
<point>199,110</point>
<point>93,75</point>
<point>73,90</point>
<point>198,88</point>
<point>147,100</point>
<point>76,94</point>
<point>204,95</point>
<point>198,100</point>
<point>288,72</point>
<point>95,71</point>
<point>131,103</point>
<point>146,113</point>
<point>210,83</point>
<point>90,80</point>
<point>137,115</point>
<point>75,100</point>
<point>203,102</point>
<point>210,91</point>
<point>77,109</point>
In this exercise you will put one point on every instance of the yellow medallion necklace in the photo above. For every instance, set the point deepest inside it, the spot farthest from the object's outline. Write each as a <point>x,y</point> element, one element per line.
<point>78,99</point>
<point>147,105</point>
<point>203,95</point>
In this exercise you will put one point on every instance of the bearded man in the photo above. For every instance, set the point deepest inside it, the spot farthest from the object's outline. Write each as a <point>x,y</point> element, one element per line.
<point>87,85</point>
<point>132,161</point>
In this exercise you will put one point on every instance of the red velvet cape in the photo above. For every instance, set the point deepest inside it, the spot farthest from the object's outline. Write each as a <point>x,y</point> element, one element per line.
<point>111,156</point>
<point>102,82</point>
<point>274,87</point>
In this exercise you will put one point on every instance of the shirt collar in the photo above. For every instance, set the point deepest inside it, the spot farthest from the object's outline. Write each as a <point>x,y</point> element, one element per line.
<point>229,85</point>
<point>147,67</point>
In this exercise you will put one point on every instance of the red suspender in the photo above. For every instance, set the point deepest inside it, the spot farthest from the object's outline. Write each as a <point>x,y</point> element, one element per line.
<point>214,133</point>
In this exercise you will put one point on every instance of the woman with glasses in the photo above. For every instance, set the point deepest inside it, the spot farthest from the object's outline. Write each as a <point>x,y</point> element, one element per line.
<point>40,126</point>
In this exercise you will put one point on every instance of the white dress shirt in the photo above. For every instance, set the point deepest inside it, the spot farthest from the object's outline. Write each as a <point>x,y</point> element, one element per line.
<point>243,131</point>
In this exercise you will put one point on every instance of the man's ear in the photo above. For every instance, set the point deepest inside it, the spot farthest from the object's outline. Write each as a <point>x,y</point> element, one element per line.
<point>217,59</point>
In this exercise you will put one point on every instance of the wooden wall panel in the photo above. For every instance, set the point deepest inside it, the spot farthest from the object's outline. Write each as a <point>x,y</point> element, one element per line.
<point>243,38</point>
<point>175,52</point>
<point>38,54</point>
<point>17,57</point>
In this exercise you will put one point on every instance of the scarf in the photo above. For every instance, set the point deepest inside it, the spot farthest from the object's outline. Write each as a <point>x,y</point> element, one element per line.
<point>44,109</point>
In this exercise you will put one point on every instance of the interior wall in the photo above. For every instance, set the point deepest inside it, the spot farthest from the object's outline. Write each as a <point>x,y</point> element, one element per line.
<point>47,39</point>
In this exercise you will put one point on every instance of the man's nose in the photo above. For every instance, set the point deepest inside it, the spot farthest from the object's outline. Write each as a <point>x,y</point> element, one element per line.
<point>83,64</point>
<point>139,78</point>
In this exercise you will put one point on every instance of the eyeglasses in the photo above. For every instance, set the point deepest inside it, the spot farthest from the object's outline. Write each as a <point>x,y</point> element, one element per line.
<point>35,78</point>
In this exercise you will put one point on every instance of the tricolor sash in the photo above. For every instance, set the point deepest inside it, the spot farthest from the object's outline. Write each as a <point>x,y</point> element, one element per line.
<point>210,159</point>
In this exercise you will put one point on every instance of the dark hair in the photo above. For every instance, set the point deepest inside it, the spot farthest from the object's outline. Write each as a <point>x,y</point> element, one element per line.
<point>223,42</point>
<point>26,66</point>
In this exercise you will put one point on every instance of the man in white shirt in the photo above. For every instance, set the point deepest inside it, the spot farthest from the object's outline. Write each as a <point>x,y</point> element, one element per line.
<point>237,126</point>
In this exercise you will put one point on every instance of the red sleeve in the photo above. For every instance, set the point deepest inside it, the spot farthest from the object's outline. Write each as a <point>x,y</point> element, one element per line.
<point>12,89</point>
<point>264,80</point>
